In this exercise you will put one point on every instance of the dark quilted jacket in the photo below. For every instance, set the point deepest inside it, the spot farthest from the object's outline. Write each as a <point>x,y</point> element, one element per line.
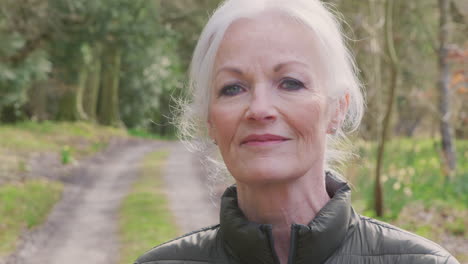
<point>336,235</point>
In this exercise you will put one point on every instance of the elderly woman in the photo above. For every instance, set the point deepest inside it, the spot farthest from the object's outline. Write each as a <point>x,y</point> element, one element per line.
<point>275,89</point>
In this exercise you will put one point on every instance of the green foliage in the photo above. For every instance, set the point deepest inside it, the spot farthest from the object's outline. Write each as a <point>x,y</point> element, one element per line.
<point>185,20</point>
<point>53,53</point>
<point>24,206</point>
<point>412,172</point>
<point>66,156</point>
<point>145,220</point>
<point>148,135</point>
<point>65,43</point>
<point>22,62</point>
<point>155,74</point>
<point>47,136</point>
<point>417,197</point>
<point>126,27</point>
<point>15,80</point>
<point>145,100</point>
<point>20,141</point>
<point>457,227</point>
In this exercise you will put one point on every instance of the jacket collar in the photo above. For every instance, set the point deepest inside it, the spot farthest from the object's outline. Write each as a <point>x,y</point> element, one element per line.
<point>313,243</point>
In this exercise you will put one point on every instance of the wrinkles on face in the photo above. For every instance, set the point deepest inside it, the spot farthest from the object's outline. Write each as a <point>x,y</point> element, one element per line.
<point>265,85</point>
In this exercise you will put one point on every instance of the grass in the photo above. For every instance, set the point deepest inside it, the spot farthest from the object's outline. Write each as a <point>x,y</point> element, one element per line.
<point>70,141</point>
<point>84,137</point>
<point>24,206</point>
<point>411,171</point>
<point>145,134</point>
<point>145,220</point>
<point>417,197</point>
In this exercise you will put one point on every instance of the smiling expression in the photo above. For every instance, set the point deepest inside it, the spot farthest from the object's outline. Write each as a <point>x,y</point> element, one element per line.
<point>269,112</point>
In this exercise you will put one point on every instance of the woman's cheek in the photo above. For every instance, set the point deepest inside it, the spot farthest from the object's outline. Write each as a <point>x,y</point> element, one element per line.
<point>224,119</point>
<point>310,124</point>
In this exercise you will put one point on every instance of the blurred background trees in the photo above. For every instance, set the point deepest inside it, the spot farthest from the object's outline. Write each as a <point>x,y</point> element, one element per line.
<point>119,62</point>
<point>413,56</point>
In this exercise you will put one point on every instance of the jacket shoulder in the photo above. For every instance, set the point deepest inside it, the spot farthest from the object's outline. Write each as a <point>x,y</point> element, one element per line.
<point>379,241</point>
<point>199,246</point>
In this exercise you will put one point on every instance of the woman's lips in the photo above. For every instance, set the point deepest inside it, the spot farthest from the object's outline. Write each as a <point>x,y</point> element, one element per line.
<point>263,139</point>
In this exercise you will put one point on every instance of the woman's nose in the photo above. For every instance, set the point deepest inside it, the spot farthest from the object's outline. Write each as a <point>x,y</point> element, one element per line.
<point>261,106</point>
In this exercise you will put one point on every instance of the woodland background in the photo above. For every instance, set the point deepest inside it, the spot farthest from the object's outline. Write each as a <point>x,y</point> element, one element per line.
<point>118,62</point>
<point>121,63</point>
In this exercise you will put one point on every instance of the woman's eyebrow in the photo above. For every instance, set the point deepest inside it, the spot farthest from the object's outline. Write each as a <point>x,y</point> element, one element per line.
<point>275,69</point>
<point>229,69</point>
<point>281,65</point>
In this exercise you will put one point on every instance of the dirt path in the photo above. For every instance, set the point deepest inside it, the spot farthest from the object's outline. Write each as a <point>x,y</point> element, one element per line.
<point>187,191</point>
<point>82,227</point>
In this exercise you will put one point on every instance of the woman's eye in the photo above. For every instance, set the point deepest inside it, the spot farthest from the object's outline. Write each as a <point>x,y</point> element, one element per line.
<point>291,85</point>
<point>231,90</point>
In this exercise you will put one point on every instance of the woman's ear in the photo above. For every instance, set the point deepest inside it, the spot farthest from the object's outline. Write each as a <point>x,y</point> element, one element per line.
<point>339,113</point>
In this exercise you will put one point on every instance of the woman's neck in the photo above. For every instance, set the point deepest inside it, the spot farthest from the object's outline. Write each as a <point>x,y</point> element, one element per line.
<point>282,204</point>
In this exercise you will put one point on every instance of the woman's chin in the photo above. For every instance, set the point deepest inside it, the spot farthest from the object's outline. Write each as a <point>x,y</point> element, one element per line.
<point>266,175</point>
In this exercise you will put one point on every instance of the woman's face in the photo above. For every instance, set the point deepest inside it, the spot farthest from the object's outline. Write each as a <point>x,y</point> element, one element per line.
<point>268,112</point>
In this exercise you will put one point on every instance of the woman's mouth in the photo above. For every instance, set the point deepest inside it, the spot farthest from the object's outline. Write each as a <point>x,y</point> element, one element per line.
<point>263,139</point>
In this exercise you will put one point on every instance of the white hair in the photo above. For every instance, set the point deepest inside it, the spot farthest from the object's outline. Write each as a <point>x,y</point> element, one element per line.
<point>335,58</point>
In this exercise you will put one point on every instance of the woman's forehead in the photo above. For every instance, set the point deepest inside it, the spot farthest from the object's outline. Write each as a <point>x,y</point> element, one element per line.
<point>269,37</point>
<point>270,22</point>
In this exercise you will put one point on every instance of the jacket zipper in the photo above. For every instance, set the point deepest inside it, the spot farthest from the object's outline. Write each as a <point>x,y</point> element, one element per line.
<point>292,248</point>
<point>268,229</point>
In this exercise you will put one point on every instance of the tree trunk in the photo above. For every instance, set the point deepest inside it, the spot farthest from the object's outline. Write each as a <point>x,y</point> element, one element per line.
<point>38,101</point>
<point>448,148</point>
<point>108,108</point>
<point>91,90</point>
<point>71,103</point>
<point>376,70</point>
<point>390,50</point>
<point>68,110</point>
<point>80,90</point>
